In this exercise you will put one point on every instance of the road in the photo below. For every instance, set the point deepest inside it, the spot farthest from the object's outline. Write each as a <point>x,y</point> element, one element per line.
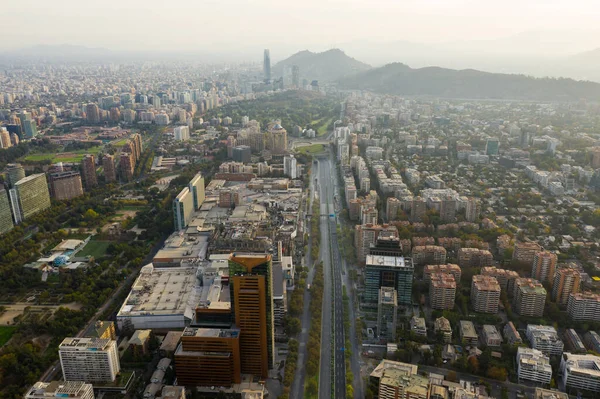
<point>332,354</point>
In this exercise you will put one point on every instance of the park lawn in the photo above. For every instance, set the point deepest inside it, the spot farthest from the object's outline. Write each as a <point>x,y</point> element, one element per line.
<point>119,143</point>
<point>5,334</point>
<point>322,130</point>
<point>311,149</point>
<point>75,156</point>
<point>97,249</point>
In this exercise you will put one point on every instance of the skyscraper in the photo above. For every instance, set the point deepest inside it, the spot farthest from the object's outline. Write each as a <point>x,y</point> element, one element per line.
<point>251,286</point>
<point>108,163</point>
<point>277,139</point>
<point>544,265</point>
<point>5,138</point>
<point>14,173</point>
<point>472,210</point>
<point>267,66</point>
<point>89,359</point>
<point>33,195</point>
<point>388,271</point>
<point>92,113</point>
<point>196,187</point>
<point>567,281</point>
<point>126,166</point>
<point>65,185</point>
<point>88,168</point>
<point>30,128</point>
<point>183,206</point>
<point>6,222</point>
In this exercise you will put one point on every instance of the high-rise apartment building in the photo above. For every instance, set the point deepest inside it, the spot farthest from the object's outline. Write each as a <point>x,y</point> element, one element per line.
<point>429,254</point>
<point>366,235</point>
<point>60,389</point>
<point>442,291</point>
<point>474,257</point>
<point>110,172</point>
<point>6,220</point>
<point>525,251</point>
<point>584,306</point>
<point>92,113</point>
<point>181,133</point>
<point>472,210</point>
<point>485,294</point>
<point>544,266</point>
<point>506,278</point>
<point>251,285</point>
<point>88,169</point>
<point>30,128</point>
<point>126,166</point>
<point>450,268</point>
<point>208,357</point>
<point>545,339</point>
<point>267,66</point>
<point>277,139</point>
<point>448,209</point>
<point>33,195</point>
<point>65,185</point>
<point>5,141</point>
<point>387,310</point>
<point>567,280</point>
<point>418,209</point>
<point>388,271</point>
<point>290,166</point>
<point>89,359</point>
<point>183,206</point>
<point>529,297</point>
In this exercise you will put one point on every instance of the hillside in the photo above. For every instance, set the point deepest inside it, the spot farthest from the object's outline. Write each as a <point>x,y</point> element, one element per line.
<point>326,66</point>
<point>468,83</point>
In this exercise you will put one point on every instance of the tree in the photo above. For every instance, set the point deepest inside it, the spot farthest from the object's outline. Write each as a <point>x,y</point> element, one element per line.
<point>452,376</point>
<point>473,365</point>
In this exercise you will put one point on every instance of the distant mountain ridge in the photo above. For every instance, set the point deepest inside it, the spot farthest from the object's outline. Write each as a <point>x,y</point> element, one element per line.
<point>329,65</point>
<point>400,79</point>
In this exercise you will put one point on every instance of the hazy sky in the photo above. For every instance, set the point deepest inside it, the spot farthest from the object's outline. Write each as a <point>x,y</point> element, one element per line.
<point>234,25</point>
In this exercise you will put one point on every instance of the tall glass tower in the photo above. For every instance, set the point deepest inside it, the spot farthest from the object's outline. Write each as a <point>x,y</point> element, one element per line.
<point>267,66</point>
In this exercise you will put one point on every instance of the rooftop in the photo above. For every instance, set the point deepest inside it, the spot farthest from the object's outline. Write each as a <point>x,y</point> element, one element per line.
<point>468,329</point>
<point>56,389</point>
<point>211,332</point>
<point>389,261</point>
<point>582,364</point>
<point>406,368</point>
<point>84,344</point>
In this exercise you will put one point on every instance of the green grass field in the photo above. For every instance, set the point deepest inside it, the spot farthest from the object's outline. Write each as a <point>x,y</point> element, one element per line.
<point>5,334</point>
<point>311,149</point>
<point>75,156</point>
<point>97,249</point>
<point>119,143</point>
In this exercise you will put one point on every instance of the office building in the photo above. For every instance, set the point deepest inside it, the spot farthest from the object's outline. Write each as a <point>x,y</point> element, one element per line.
<point>511,334</point>
<point>126,166</point>
<point>92,113</point>
<point>197,190</point>
<point>584,306</point>
<point>529,297</point>
<point>449,268</point>
<point>388,271</point>
<point>208,357</point>
<point>442,326</point>
<point>14,173</point>
<point>183,207</point>
<point>545,339</point>
<point>65,185</point>
<point>442,291</point>
<point>267,66</point>
<point>181,133</point>
<point>468,335</point>
<point>580,372</point>
<point>108,164</point>
<point>241,153</point>
<point>485,294</point>
<point>33,195</point>
<point>88,171</point>
<point>429,255</point>
<point>6,221</point>
<point>544,266</point>
<point>533,365</point>
<point>89,359</point>
<point>30,129</point>
<point>567,281</point>
<point>525,251</point>
<point>541,393</point>
<point>472,210</point>
<point>506,278</point>
<point>574,342</point>
<point>491,336</point>
<point>290,166</point>
<point>387,309</point>
<point>60,389</point>
<point>15,207</point>
<point>251,285</point>
<point>395,384</point>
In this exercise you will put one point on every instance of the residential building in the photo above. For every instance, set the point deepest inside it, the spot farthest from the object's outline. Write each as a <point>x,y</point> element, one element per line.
<point>60,389</point>
<point>126,166</point>
<point>251,287</point>
<point>485,294</point>
<point>506,278</point>
<point>418,326</point>
<point>584,306</point>
<point>450,268</point>
<point>108,164</point>
<point>429,254</point>
<point>544,266</point>
<point>567,281</point>
<point>511,334</point>
<point>183,207</point>
<point>592,341</point>
<point>290,166</point>
<point>442,326</point>
<point>474,257</point>
<point>467,333</point>
<point>442,291</point>
<point>277,141</point>
<point>529,297</point>
<point>388,271</point>
<point>92,113</point>
<point>418,209</point>
<point>33,195</point>
<point>103,329</point>
<point>545,339</point>
<point>574,342</point>
<point>5,141</point>
<point>14,173</point>
<point>65,185</point>
<point>472,210</point>
<point>393,206</point>
<point>525,251</point>
<point>491,336</point>
<point>387,310</point>
<point>208,357</point>
<point>6,221</point>
<point>580,372</point>
<point>533,365</point>
<point>89,359</point>
<point>181,133</point>
<point>88,170</point>
<point>366,235</point>
<point>30,128</point>
<point>448,209</point>
<point>394,384</point>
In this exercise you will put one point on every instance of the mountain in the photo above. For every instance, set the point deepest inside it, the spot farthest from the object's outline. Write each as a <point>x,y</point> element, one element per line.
<point>468,83</point>
<point>326,66</point>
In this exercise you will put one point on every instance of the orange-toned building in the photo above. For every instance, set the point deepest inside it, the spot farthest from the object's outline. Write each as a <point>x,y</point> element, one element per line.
<point>208,357</point>
<point>251,286</point>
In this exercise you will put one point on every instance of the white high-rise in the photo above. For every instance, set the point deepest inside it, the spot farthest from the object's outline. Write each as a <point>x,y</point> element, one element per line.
<point>182,133</point>
<point>89,359</point>
<point>290,166</point>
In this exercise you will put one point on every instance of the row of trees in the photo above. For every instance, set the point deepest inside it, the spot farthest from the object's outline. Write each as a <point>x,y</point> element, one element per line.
<point>314,338</point>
